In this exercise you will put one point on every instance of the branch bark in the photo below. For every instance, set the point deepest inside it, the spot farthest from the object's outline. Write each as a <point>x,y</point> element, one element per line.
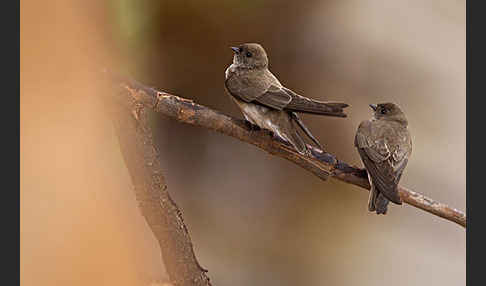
<point>130,120</point>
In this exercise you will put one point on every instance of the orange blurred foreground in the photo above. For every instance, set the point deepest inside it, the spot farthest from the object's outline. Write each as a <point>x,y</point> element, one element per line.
<point>79,221</point>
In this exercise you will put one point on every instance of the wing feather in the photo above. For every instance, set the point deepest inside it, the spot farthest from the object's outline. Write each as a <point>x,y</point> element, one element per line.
<point>252,89</point>
<point>262,87</point>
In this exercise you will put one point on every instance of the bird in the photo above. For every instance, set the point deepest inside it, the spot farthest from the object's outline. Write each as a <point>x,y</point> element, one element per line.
<point>266,103</point>
<point>384,145</point>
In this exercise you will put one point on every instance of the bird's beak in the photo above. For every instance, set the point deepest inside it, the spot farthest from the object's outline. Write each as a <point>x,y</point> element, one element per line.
<point>374,106</point>
<point>236,50</point>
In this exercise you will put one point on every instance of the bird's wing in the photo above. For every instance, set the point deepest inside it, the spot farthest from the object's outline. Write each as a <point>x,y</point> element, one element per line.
<point>274,97</point>
<point>252,89</point>
<point>262,87</point>
<point>384,163</point>
<point>306,105</point>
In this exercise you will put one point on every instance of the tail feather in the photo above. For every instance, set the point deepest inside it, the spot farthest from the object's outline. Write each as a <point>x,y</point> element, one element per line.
<point>377,201</point>
<point>372,199</point>
<point>338,105</point>
<point>304,128</point>
<point>293,138</point>
<point>298,142</point>
<point>381,204</point>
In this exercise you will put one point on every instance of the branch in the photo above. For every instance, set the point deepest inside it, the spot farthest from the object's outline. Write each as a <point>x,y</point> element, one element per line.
<point>132,127</point>
<point>321,163</point>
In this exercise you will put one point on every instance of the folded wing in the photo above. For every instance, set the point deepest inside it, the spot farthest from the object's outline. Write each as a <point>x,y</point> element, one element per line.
<point>271,94</point>
<point>385,166</point>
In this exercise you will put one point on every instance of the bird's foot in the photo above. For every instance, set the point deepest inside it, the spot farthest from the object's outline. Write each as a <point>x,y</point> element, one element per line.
<point>308,152</point>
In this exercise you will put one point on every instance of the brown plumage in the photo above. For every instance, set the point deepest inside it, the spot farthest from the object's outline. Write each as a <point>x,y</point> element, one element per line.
<point>385,145</point>
<point>266,103</point>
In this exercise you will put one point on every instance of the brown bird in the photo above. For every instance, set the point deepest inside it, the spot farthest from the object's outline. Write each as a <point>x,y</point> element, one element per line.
<point>265,102</point>
<point>384,145</point>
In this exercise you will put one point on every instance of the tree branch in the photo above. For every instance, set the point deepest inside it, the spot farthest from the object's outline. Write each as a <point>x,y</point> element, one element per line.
<point>321,163</point>
<point>160,211</point>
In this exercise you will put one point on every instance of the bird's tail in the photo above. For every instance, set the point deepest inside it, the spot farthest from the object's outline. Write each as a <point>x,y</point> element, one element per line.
<point>304,128</point>
<point>292,137</point>
<point>297,142</point>
<point>377,201</point>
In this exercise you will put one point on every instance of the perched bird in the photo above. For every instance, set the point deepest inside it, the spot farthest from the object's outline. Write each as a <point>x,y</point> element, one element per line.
<point>384,145</point>
<point>265,102</point>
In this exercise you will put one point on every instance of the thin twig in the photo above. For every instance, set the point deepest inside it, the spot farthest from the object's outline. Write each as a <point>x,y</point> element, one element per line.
<point>321,163</point>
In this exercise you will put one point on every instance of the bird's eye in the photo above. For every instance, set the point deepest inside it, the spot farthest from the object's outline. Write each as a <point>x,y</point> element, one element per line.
<point>383,111</point>
<point>248,55</point>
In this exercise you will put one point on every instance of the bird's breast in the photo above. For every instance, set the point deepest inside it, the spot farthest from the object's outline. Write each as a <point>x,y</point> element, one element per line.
<point>229,71</point>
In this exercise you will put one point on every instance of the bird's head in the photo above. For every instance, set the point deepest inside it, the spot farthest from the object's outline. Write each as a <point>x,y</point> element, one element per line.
<point>250,55</point>
<point>389,111</point>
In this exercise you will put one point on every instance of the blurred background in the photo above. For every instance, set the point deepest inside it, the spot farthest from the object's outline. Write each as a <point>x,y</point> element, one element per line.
<point>254,219</point>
